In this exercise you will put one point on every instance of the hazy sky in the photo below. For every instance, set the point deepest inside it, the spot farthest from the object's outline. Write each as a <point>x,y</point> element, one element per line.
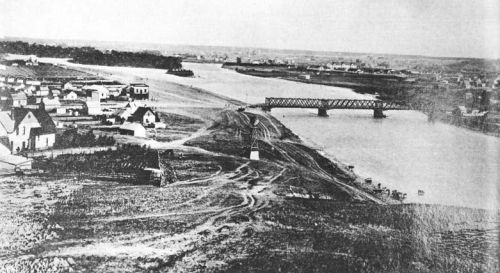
<point>424,27</point>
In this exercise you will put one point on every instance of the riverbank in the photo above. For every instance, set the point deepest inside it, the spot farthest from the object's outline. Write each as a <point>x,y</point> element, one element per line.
<point>292,211</point>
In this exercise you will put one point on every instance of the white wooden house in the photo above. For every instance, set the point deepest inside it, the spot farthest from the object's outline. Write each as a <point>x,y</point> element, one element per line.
<point>27,129</point>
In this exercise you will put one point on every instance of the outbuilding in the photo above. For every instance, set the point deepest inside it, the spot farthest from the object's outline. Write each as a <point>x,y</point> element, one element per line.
<point>132,129</point>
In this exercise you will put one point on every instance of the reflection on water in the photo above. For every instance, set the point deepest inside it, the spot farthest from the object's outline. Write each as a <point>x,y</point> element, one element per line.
<point>405,152</point>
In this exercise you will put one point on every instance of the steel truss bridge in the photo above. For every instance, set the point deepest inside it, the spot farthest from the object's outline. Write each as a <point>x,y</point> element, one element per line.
<point>323,105</point>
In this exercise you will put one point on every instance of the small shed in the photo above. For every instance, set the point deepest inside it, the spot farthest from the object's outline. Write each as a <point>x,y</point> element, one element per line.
<point>132,129</point>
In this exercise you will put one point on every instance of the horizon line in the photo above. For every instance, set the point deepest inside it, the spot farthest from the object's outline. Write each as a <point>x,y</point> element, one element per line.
<point>242,47</point>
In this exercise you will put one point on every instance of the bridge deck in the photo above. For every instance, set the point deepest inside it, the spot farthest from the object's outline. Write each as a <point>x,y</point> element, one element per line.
<point>332,104</point>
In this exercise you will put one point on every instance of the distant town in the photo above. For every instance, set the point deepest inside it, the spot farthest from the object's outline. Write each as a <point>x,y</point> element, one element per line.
<point>35,109</point>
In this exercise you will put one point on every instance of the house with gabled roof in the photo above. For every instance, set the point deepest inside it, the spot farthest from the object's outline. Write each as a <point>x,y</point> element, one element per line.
<point>27,129</point>
<point>19,99</point>
<point>144,115</point>
<point>101,90</point>
<point>71,95</point>
<point>122,114</point>
<point>133,129</point>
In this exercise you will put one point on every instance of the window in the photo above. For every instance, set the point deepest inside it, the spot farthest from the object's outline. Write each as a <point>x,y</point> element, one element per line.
<point>47,142</point>
<point>17,131</point>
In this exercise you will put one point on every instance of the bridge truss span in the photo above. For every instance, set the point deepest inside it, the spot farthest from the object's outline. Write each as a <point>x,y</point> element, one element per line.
<point>334,104</point>
<point>323,105</point>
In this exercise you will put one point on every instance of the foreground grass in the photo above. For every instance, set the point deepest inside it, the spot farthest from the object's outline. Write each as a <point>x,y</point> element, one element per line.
<point>228,214</point>
<point>315,236</point>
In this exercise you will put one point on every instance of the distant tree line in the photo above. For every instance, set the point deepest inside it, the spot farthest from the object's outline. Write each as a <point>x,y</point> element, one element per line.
<point>72,139</point>
<point>90,55</point>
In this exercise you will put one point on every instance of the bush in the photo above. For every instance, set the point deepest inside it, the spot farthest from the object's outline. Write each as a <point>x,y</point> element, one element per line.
<point>71,138</point>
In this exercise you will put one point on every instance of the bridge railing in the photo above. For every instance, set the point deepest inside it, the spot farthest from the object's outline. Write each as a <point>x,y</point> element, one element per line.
<point>332,104</point>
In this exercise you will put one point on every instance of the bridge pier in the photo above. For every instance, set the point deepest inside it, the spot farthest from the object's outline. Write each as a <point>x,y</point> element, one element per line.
<point>378,113</point>
<point>322,112</point>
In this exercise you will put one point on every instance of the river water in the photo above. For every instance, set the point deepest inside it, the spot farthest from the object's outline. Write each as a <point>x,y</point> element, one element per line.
<point>453,166</point>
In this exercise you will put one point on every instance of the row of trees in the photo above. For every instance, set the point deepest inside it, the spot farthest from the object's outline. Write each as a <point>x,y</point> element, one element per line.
<point>71,139</point>
<point>90,55</point>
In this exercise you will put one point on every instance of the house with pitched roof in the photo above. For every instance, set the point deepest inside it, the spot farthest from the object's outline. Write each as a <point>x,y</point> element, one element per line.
<point>11,80</point>
<point>19,99</point>
<point>122,114</point>
<point>133,129</point>
<point>144,115</point>
<point>27,129</point>
<point>71,95</point>
<point>101,90</point>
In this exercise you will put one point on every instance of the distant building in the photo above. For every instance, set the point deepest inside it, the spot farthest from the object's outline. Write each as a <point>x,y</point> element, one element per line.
<point>18,86</point>
<point>51,103</point>
<point>133,129</point>
<point>101,90</point>
<point>71,95</point>
<point>41,91</point>
<point>122,114</point>
<point>316,68</point>
<point>93,108</point>
<point>19,99</point>
<point>139,91</point>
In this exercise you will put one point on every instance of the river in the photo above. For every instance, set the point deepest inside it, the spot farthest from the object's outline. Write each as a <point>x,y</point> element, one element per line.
<point>452,165</point>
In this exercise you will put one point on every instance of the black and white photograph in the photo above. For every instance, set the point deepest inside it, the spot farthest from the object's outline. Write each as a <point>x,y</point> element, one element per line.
<point>250,136</point>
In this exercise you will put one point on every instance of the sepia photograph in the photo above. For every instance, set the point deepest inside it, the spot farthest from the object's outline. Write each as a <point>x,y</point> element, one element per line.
<point>250,136</point>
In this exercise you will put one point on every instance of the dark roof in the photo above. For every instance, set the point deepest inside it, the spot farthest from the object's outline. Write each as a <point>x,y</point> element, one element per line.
<point>43,117</point>
<point>138,115</point>
<point>139,84</point>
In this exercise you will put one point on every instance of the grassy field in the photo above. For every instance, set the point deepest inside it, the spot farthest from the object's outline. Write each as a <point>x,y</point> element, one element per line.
<point>292,211</point>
